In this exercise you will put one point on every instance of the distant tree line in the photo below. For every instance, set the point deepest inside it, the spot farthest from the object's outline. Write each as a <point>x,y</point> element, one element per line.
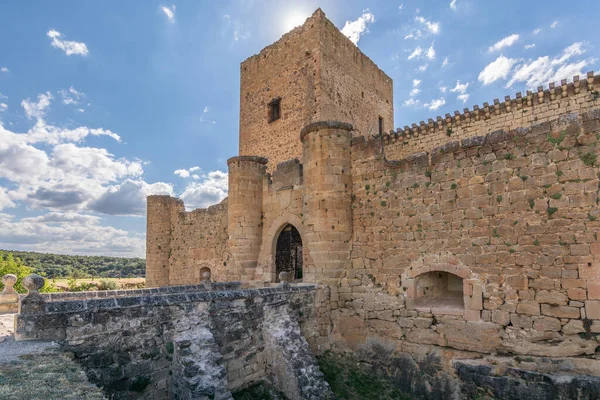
<point>66,266</point>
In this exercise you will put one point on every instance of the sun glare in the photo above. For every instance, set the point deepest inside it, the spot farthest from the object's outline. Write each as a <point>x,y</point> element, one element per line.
<point>293,20</point>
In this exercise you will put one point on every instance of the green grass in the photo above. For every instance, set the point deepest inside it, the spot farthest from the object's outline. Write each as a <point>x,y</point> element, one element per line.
<point>350,380</point>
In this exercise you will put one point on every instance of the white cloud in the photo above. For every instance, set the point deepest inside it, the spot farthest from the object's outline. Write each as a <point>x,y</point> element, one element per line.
<point>169,13</point>
<point>45,170</point>
<point>545,69</point>
<point>129,197</point>
<point>411,102</point>
<point>186,173</point>
<point>529,46</point>
<point>423,67</point>
<point>576,49</point>
<point>416,53</point>
<point>460,87</point>
<point>453,5</point>
<point>70,233</point>
<point>71,96</point>
<point>210,190</point>
<point>445,63</point>
<point>37,110</point>
<point>182,173</point>
<point>506,42</point>
<point>4,69</point>
<point>431,52</point>
<point>3,107</point>
<point>554,24</point>
<point>443,89</point>
<point>536,31</point>
<point>424,27</point>
<point>432,27</point>
<point>44,132</point>
<point>235,28</point>
<point>5,201</point>
<point>498,69</point>
<point>60,175</point>
<point>415,90</point>
<point>435,104</point>
<point>354,29</point>
<point>463,97</point>
<point>203,117</point>
<point>69,47</point>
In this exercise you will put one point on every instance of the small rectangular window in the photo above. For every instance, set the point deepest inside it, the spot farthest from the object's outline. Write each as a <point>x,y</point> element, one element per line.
<point>380,126</point>
<point>275,109</point>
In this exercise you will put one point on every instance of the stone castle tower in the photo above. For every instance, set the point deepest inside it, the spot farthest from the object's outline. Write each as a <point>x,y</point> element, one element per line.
<point>313,73</point>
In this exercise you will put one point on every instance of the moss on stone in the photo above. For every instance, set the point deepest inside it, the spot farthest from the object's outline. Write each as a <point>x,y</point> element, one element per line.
<point>351,380</point>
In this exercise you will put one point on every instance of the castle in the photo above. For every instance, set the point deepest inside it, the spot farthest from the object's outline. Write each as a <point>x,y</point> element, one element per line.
<point>476,233</point>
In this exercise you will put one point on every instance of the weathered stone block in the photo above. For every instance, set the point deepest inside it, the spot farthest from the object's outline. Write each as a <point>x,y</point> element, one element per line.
<point>547,324</point>
<point>551,297</point>
<point>528,308</point>
<point>560,311</point>
<point>573,327</point>
<point>592,309</point>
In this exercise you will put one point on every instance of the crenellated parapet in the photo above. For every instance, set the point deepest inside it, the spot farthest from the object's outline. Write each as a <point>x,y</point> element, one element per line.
<point>521,110</point>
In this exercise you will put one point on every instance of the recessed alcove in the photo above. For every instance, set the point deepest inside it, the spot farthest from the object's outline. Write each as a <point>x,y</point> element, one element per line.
<point>439,292</point>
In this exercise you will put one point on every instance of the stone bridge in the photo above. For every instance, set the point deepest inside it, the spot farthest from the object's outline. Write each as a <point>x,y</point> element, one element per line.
<point>188,342</point>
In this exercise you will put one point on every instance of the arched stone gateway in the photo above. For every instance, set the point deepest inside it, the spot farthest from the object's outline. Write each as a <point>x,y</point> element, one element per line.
<point>288,253</point>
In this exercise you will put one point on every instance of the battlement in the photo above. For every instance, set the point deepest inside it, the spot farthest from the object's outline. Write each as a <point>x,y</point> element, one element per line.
<point>534,107</point>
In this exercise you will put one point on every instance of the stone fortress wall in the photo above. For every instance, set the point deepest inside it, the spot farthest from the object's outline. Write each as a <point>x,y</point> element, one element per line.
<point>512,213</point>
<point>471,235</point>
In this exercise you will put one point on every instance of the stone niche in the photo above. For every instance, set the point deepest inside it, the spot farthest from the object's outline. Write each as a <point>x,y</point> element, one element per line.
<point>443,290</point>
<point>439,291</point>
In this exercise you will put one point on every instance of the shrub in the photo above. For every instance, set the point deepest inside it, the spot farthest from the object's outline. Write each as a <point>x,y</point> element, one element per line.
<point>108,285</point>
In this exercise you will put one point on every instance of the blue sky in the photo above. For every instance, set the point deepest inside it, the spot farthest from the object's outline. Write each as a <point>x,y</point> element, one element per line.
<point>103,103</point>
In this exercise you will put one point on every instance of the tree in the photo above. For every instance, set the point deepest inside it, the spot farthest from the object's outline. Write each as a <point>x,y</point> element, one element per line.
<point>10,265</point>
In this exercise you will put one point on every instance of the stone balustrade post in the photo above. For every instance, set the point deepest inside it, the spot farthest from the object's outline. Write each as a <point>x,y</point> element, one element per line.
<point>33,302</point>
<point>9,298</point>
<point>284,279</point>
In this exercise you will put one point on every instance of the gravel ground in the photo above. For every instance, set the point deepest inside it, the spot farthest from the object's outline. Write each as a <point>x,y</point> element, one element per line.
<point>11,350</point>
<point>36,370</point>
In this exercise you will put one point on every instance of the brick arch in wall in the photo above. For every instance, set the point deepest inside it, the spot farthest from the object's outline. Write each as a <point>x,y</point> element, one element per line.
<point>472,287</point>
<point>267,256</point>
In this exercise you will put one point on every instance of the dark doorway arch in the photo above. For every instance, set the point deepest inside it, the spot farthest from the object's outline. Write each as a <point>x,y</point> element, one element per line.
<point>288,253</point>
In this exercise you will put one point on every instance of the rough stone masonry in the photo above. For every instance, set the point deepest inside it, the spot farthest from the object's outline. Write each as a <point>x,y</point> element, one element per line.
<point>458,256</point>
<point>468,235</point>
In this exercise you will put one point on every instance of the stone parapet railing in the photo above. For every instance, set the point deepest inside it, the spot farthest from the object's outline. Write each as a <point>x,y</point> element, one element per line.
<point>158,299</point>
<point>103,294</point>
<point>184,342</point>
